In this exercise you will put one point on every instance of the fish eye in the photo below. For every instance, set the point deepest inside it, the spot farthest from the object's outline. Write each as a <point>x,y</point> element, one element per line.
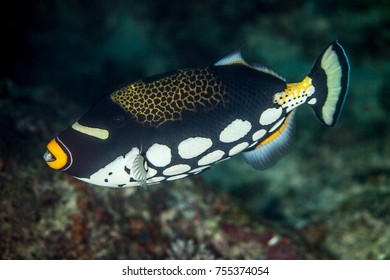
<point>118,120</point>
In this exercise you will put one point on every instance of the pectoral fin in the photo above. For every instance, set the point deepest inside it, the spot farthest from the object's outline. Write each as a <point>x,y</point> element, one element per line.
<point>140,170</point>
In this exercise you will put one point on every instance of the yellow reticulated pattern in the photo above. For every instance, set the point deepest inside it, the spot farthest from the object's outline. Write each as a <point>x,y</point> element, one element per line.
<point>165,99</point>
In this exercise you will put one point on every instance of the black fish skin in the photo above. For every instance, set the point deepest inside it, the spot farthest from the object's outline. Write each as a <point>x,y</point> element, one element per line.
<point>248,93</point>
<point>182,122</point>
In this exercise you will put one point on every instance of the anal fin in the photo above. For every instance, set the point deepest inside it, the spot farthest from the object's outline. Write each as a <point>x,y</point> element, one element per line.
<point>274,147</point>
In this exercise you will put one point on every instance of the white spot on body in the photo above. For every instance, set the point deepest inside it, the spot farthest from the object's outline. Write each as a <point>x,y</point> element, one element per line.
<point>310,90</point>
<point>222,160</point>
<point>177,177</point>
<point>176,169</point>
<point>193,147</point>
<point>114,173</point>
<point>130,184</point>
<point>275,126</point>
<point>238,148</point>
<point>235,131</point>
<point>199,169</point>
<point>91,131</point>
<point>312,101</point>
<point>211,157</point>
<point>151,172</point>
<point>258,134</point>
<point>253,144</point>
<point>155,180</point>
<point>146,166</point>
<point>270,116</point>
<point>159,155</point>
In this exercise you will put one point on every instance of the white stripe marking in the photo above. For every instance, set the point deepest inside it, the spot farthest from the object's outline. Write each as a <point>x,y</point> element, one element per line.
<point>91,131</point>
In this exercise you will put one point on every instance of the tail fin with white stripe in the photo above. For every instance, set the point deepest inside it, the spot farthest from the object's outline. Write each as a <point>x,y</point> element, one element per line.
<point>330,78</point>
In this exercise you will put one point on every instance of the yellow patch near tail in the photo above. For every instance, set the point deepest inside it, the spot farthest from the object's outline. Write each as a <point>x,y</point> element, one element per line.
<point>295,94</point>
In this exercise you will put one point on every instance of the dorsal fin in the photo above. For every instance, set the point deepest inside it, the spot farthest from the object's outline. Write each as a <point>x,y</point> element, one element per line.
<point>236,58</point>
<point>268,70</point>
<point>233,58</point>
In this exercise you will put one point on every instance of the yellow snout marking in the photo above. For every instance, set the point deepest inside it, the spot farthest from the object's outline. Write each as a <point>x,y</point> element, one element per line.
<point>58,153</point>
<point>91,131</point>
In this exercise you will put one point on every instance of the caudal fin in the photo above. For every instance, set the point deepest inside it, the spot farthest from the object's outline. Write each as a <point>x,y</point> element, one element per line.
<point>330,78</point>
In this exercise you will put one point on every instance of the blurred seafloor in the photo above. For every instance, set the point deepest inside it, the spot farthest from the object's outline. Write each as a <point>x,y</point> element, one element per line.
<point>327,199</point>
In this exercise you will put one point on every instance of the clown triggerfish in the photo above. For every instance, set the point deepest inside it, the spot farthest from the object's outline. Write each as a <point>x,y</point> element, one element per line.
<point>177,124</point>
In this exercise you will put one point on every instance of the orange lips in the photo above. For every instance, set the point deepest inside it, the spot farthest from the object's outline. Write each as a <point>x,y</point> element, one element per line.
<point>55,157</point>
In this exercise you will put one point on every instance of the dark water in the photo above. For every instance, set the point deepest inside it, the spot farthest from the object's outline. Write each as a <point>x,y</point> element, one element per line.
<point>328,198</point>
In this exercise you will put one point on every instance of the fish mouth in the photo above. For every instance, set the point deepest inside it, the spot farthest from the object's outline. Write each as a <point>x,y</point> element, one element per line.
<point>57,155</point>
<point>48,157</point>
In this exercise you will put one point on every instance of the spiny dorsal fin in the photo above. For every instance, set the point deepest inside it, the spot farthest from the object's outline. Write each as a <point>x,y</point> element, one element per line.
<point>236,58</point>
<point>233,58</point>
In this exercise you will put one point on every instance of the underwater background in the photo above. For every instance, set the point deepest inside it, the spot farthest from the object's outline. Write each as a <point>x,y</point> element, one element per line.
<point>329,198</point>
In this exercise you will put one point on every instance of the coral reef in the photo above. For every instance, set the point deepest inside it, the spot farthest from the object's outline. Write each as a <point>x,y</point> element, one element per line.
<point>187,250</point>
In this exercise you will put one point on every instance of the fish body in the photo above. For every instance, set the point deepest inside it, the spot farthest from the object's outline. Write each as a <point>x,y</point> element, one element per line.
<point>177,124</point>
